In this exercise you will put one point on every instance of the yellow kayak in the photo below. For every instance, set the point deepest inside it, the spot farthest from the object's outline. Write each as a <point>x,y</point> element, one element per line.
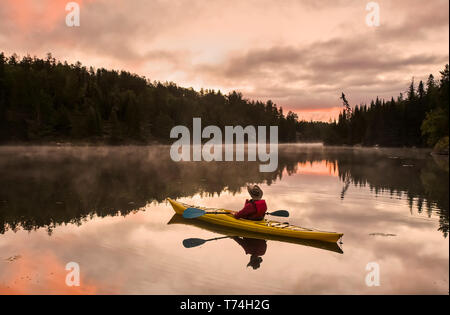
<point>267,227</point>
<point>227,231</point>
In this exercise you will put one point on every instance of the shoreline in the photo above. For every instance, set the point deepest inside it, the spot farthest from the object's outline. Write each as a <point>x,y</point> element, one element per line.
<point>156,143</point>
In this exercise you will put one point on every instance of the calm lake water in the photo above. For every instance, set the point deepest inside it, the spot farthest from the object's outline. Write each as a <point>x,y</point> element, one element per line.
<point>104,208</point>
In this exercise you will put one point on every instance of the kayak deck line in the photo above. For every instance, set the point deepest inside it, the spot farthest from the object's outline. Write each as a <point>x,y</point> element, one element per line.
<point>264,226</point>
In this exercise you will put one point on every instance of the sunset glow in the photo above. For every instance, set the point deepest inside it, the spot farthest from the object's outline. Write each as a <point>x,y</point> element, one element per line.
<point>300,54</point>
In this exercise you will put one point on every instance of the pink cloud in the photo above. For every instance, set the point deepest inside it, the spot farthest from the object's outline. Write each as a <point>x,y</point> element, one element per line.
<point>301,54</point>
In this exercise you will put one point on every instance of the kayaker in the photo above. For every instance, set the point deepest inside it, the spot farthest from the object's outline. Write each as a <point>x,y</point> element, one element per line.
<point>255,208</point>
<point>253,247</point>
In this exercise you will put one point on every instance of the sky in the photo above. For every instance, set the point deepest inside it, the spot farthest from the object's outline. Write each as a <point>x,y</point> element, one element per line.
<point>300,54</point>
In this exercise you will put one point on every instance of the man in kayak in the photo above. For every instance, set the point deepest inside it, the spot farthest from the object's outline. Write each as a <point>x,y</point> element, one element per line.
<point>255,208</point>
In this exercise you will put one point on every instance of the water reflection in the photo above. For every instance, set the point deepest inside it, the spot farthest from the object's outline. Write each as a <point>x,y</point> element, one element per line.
<point>253,244</point>
<point>372,196</point>
<point>43,187</point>
<point>254,247</point>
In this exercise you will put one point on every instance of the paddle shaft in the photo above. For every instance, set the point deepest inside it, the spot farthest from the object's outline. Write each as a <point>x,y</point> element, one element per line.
<point>218,212</point>
<point>217,238</point>
<point>192,213</point>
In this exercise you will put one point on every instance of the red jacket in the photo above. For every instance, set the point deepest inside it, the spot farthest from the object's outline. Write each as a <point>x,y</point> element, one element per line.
<point>253,210</point>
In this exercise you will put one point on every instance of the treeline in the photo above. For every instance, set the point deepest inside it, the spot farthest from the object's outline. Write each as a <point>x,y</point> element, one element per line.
<point>420,118</point>
<point>44,100</point>
<point>312,131</point>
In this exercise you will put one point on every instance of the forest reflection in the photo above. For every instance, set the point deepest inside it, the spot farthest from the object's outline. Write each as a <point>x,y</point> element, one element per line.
<point>43,187</point>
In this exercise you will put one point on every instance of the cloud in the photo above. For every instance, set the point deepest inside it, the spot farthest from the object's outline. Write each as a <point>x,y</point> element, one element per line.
<point>301,54</point>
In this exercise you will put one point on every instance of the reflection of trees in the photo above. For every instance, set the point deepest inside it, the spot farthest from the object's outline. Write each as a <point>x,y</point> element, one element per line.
<point>436,189</point>
<point>421,181</point>
<point>44,187</point>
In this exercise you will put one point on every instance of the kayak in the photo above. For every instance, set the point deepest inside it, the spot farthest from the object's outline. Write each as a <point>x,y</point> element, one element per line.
<point>267,227</point>
<point>227,231</point>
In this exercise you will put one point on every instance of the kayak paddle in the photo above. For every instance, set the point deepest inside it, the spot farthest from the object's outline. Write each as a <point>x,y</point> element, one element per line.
<point>194,242</point>
<point>192,213</point>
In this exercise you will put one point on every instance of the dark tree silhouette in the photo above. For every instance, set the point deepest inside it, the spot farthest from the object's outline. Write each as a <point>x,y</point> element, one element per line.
<point>419,120</point>
<point>44,100</point>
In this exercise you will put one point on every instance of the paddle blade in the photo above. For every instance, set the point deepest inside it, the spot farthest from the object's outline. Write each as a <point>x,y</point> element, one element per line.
<point>193,242</point>
<point>280,213</point>
<point>192,213</point>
